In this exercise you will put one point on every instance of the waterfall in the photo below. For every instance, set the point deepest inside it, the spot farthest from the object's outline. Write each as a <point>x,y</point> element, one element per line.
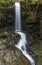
<point>17,17</point>
<point>21,45</point>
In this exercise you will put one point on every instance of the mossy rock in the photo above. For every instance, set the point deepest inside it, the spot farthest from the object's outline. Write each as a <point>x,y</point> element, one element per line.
<point>8,39</point>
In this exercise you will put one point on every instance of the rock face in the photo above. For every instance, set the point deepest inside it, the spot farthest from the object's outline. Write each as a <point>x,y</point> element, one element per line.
<point>9,54</point>
<point>6,17</point>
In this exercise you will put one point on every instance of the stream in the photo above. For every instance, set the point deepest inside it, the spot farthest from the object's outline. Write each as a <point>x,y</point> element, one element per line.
<point>21,45</point>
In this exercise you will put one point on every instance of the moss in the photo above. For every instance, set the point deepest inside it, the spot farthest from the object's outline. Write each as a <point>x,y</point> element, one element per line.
<point>9,38</point>
<point>16,38</point>
<point>2,36</point>
<point>40,58</point>
<point>34,1</point>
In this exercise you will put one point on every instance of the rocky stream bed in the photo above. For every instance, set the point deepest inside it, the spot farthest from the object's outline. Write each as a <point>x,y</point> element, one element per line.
<point>9,54</point>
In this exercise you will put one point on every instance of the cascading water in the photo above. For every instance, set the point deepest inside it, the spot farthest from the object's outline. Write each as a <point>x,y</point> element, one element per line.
<point>21,45</point>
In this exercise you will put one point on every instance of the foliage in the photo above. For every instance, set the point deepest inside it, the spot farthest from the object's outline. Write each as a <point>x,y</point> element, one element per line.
<point>34,1</point>
<point>5,1</point>
<point>31,15</point>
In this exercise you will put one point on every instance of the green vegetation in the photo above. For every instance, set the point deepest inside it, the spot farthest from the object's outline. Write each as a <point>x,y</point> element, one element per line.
<point>6,1</point>
<point>34,1</point>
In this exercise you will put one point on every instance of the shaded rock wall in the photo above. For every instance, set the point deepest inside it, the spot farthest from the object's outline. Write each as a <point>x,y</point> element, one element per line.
<point>30,20</point>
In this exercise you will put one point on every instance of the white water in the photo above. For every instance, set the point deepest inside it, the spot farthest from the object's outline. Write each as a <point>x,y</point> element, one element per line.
<point>17,17</point>
<point>21,45</point>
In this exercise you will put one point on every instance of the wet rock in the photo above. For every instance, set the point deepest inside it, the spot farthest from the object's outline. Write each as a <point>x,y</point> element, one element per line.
<point>8,39</point>
<point>9,54</point>
<point>1,63</point>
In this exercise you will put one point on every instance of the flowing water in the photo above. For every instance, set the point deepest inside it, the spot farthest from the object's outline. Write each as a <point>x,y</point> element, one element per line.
<point>21,45</point>
<point>17,17</point>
